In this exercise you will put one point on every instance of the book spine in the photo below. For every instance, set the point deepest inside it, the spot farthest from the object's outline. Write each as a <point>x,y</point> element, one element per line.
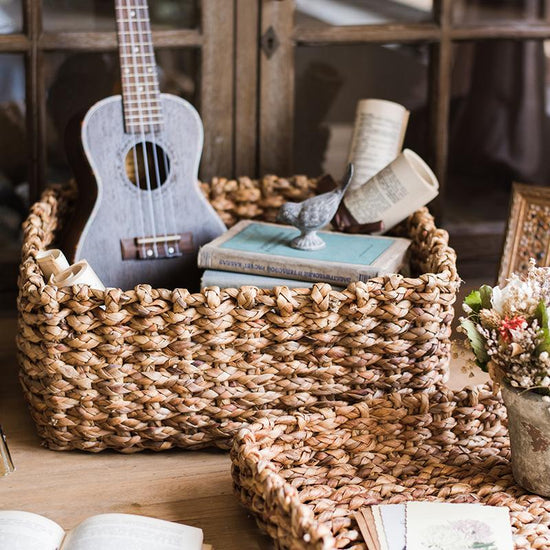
<point>301,270</point>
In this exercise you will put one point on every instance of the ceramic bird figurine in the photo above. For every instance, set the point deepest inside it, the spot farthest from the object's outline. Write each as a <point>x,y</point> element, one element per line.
<point>313,214</point>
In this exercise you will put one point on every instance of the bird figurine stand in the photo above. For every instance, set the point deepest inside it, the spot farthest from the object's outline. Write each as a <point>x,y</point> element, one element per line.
<point>313,214</point>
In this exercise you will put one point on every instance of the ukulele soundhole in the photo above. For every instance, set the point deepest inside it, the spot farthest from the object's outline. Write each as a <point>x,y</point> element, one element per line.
<point>147,165</point>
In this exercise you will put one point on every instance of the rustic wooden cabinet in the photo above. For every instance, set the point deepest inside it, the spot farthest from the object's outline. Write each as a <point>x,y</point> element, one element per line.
<point>246,51</point>
<point>256,70</point>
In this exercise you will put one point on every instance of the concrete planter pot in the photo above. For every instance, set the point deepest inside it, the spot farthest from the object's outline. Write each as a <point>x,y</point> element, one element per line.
<point>529,426</point>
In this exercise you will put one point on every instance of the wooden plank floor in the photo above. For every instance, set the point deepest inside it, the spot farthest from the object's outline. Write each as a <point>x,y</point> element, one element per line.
<point>188,487</point>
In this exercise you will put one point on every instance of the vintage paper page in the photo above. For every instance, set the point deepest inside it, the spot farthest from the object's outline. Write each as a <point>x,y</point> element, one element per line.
<point>393,520</point>
<point>129,532</point>
<point>379,528</point>
<point>80,273</point>
<point>369,519</point>
<point>442,526</point>
<point>26,531</point>
<point>378,137</point>
<point>398,190</point>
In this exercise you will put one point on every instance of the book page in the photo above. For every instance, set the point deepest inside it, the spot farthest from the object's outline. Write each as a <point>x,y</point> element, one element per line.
<point>377,137</point>
<point>371,526</point>
<point>130,532</point>
<point>393,520</point>
<point>26,531</point>
<point>440,526</point>
<point>379,528</point>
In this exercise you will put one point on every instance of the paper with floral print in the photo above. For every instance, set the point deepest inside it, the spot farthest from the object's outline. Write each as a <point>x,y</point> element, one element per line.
<point>443,526</point>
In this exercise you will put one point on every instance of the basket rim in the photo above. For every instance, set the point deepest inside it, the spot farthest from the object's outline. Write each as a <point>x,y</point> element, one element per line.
<point>54,197</point>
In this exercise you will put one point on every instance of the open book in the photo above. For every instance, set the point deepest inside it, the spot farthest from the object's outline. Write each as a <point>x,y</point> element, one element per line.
<point>26,531</point>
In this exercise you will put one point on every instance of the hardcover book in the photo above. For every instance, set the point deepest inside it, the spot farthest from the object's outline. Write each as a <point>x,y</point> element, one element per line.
<point>261,248</point>
<point>232,279</point>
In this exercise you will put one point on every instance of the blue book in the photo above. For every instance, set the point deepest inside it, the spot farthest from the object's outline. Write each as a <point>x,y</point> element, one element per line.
<point>232,279</point>
<point>260,248</point>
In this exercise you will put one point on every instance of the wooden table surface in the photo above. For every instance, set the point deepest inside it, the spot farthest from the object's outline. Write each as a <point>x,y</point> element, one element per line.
<point>188,487</point>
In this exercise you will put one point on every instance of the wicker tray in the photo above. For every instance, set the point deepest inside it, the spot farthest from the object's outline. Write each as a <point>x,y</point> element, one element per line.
<point>303,476</point>
<point>156,368</point>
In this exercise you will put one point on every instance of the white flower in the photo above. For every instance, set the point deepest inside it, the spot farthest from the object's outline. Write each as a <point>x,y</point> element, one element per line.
<point>522,296</point>
<point>497,300</point>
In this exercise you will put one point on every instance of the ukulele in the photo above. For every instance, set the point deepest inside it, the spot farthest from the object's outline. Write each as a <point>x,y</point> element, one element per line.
<point>141,216</point>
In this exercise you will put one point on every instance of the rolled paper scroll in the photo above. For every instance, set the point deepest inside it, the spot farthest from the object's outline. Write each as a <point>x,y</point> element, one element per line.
<point>398,190</point>
<point>51,262</point>
<point>78,274</point>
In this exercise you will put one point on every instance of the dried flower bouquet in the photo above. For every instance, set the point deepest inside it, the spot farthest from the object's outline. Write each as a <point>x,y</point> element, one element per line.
<point>509,332</point>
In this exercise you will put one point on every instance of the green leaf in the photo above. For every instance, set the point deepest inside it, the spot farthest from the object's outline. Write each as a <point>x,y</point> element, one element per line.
<point>477,341</point>
<point>473,300</point>
<point>486,293</point>
<point>541,313</point>
<point>544,345</point>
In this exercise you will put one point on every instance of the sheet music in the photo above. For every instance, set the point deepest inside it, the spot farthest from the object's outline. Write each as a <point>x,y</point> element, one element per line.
<point>26,531</point>
<point>398,190</point>
<point>129,532</point>
<point>378,137</point>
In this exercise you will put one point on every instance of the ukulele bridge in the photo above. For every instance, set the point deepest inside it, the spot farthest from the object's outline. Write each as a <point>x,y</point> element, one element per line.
<point>156,248</point>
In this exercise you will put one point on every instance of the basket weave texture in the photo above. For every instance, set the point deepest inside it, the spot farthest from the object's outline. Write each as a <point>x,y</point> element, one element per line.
<point>304,476</point>
<point>156,368</point>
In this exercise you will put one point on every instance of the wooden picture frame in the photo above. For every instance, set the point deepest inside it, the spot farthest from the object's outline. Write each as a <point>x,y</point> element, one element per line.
<point>528,230</point>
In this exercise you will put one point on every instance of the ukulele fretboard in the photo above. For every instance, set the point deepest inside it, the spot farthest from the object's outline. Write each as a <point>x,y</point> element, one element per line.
<point>140,87</point>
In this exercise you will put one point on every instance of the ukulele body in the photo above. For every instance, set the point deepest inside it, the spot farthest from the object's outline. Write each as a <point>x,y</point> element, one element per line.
<point>122,212</point>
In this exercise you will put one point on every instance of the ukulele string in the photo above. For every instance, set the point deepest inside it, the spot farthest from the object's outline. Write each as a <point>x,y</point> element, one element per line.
<point>133,16</point>
<point>124,45</point>
<point>171,203</point>
<point>150,69</point>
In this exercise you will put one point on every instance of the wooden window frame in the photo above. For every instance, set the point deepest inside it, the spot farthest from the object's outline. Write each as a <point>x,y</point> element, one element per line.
<point>247,98</point>
<point>276,102</point>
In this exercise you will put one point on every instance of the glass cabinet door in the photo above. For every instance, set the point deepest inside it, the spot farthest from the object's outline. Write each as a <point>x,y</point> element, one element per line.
<point>99,15</point>
<point>476,12</point>
<point>11,16</point>
<point>329,55</point>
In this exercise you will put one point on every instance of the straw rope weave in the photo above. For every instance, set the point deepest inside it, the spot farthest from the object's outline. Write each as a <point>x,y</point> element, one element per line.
<point>155,368</point>
<point>303,476</point>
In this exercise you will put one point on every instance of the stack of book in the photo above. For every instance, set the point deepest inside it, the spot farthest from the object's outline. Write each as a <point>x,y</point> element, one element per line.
<point>259,254</point>
<point>435,526</point>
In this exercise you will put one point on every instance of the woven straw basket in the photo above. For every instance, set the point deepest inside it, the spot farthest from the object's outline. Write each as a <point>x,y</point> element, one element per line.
<point>156,368</point>
<point>304,476</point>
